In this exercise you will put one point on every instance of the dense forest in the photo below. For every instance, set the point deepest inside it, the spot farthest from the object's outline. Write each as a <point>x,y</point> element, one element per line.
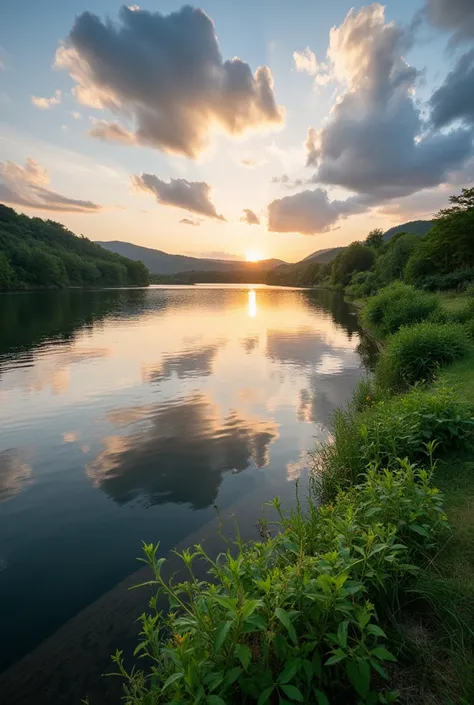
<point>438,258</point>
<point>36,253</point>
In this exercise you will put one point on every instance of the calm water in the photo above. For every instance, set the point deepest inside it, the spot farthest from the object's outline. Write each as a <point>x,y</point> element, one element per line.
<point>127,415</point>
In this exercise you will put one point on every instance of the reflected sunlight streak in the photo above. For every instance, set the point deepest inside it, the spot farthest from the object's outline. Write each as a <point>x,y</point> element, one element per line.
<point>252,303</point>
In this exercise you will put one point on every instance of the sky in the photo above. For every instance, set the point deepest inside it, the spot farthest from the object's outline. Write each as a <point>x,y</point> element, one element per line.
<point>235,129</point>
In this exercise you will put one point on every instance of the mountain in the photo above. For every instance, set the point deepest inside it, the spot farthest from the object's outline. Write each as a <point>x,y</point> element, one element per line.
<point>418,227</point>
<point>159,262</point>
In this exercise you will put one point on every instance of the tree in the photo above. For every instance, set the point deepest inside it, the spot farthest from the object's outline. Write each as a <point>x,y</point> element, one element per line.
<point>462,203</point>
<point>391,263</point>
<point>355,258</point>
<point>374,238</point>
<point>7,274</point>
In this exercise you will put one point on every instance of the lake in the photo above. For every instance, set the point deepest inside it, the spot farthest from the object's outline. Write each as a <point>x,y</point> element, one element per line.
<point>128,415</point>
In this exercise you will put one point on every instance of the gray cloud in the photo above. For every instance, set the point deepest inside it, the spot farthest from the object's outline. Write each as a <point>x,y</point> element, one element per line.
<point>193,196</point>
<point>376,142</point>
<point>455,98</point>
<point>28,186</point>
<point>288,183</point>
<point>250,217</point>
<point>190,221</point>
<point>310,212</point>
<point>456,16</point>
<point>166,75</point>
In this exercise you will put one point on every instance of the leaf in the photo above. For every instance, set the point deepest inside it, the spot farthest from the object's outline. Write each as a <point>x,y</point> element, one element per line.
<point>293,693</point>
<point>172,679</point>
<point>375,630</point>
<point>342,633</point>
<point>265,696</point>
<point>215,700</point>
<point>232,675</point>
<point>381,653</point>
<point>285,620</point>
<point>308,669</point>
<point>321,698</point>
<point>337,656</point>
<point>379,668</point>
<point>244,654</point>
<point>221,634</point>
<point>249,607</point>
<point>420,530</point>
<point>359,676</point>
<point>290,670</point>
<point>255,623</point>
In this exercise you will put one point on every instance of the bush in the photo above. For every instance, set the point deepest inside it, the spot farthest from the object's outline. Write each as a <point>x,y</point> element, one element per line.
<point>415,354</point>
<point>397,305</point>
<point>399,427</point>
<point>293,617</point>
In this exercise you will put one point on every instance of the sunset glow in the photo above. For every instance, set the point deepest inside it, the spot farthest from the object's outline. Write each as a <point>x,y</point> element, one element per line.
<point>253,256</point>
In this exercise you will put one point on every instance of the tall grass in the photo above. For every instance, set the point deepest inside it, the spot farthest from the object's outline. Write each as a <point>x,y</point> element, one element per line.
<point>398,305</point>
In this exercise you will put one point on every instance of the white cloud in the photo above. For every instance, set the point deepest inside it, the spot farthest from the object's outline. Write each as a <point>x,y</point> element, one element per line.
<point>46,103</point>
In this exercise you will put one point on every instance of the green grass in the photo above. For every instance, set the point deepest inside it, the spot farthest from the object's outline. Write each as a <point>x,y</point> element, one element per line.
<point>453,301</point>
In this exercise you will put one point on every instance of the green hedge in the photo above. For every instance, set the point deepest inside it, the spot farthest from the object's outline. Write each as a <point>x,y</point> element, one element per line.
<point>398,305</point>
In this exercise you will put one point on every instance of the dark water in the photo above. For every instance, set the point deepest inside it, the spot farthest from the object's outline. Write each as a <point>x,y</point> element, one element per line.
<point>127,415</point>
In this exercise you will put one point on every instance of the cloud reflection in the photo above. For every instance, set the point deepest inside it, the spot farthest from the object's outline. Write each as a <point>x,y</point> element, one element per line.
<point>14,473</point>
<point>181,454</point>
<point>190,363</point>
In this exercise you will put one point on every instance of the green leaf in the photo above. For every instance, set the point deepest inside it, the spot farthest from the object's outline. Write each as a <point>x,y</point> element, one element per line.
<point>215,700</point>
<point>337,656</point>
<point>244,654</point>
<point>249,607</point>
<point>255,623</point>
<point>375,630</point>
<point>381,653</point>
<point>379,668</point>
<point>285,620</point>
<point>232,675</point>
<point>420,530</point>
<point>359,675</point>
<point>342,634</point>
<point>172,679</point>
<point>321,698</point>
<point>293,693</point>
<point>290,670</point>
<point>221,634</point>
<point>265,696</point>
<point>308,669</point>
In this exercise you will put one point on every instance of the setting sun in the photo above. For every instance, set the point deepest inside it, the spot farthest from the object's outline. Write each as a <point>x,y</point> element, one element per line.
<point>253,256</point>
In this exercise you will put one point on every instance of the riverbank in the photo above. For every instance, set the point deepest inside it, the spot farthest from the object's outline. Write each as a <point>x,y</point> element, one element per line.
<point>269,623</point>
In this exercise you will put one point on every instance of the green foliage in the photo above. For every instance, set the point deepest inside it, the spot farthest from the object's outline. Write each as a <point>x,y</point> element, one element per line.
<point>374,238</point>
<point>292,618</point>
<point>355,258</point>
<point>397,305</point>
<point>44,254</point>
<point>414,354</point>
<point>363,284</point>
<point>392,261</point>
<point>397,427</point>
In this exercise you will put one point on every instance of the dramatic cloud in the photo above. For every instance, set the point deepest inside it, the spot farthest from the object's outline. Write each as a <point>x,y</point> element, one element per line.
<point>376,142</point>
<point>310,212</point>
<point>190,221</point>
<point>166,75</point>
<point>112,132</point>
<point>455,99</point>
<point>307,62</point>
<point>250,217</point>
<point>45,103</point>
<point>456,16</point>
<point>193,196</point>
<point>28,186</point>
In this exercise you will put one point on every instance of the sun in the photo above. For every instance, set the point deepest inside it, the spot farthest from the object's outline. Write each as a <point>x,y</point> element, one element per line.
<point>253,256</point>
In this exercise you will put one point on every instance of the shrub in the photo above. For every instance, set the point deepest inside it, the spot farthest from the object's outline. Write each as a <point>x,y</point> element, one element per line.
<point>293,617</point>
<point>399,427</point>
<point>397,305</point>
<point>415,354</point>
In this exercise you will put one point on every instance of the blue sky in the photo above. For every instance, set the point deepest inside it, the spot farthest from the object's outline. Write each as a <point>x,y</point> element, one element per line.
<point>56,135</point>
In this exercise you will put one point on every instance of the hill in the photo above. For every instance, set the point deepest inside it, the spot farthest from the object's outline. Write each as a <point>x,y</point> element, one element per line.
<point>159,262</point>
<point>36,253</point>
<point>417,227</point>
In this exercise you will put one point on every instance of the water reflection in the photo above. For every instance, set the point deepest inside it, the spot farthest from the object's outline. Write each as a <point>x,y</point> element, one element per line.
<point>180,453</point>
<point>252,303</point>
<point>15,472</point>
<point>196,362</point>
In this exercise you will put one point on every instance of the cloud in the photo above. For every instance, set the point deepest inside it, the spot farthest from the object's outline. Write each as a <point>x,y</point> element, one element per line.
<point>190,221</point>
<point>193,196</point>
<point>216,254</point>
<point>165,73</point>
<point>28,186</point>
<point>454,100</point>
<point>312,147</point>
<point>250,162</point>
<point>76,115</point>
<point>376,142</point>
<point>250,217</point>
<point>310,212</point>
<point>46,103</point>
<point>456,16</point>
<point>112,132</point>
<point>306,61</point>
<point>288,183</point>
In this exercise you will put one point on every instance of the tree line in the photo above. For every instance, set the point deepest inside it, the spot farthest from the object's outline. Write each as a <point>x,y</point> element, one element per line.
<point>36,253</point>
<point>443,258</point>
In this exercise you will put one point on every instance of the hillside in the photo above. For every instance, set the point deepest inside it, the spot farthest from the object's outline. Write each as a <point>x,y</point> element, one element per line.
<point>36,253</point>
<point>418,227</point>
<point>159,262</point>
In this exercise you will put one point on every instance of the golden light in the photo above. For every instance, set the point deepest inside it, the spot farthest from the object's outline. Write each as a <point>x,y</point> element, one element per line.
<point>252,303</point>
<point>253,256</point>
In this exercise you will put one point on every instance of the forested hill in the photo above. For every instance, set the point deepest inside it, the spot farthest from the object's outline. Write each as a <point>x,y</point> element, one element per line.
<point>36,253</point>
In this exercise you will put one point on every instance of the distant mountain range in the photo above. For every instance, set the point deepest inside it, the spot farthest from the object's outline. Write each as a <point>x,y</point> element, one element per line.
<point>159,262</point>
<point>418,227</point>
